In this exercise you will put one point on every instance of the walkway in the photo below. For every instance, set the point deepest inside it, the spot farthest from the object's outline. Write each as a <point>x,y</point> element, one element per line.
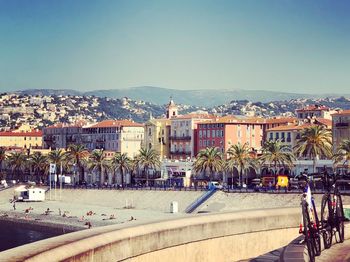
<point>337,253</point>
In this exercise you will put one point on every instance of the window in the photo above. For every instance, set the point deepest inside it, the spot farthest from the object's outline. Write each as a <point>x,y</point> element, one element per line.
<point>288,137</point>
<point>277,136</point>
<point>200,143</point>
<point>271,136</point>
<point>213,133</point>
<point>200,133</point>
<point>282,137</point>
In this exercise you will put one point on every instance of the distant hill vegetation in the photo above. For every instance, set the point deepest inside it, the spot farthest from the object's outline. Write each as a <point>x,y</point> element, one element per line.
<point>205,98</point>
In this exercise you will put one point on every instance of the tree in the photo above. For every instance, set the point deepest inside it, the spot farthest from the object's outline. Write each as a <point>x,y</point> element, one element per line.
<point>274,153</point>
<point>208,159</point>
<point>16,161</point>
<point>57,157</point>
<point>39,164</point>
<point>99,163</point>
<point>315,142</point>
<point>122,163</point>
<point>77,155</point>
<point>240,158</point>
<point>343,154</point>
<point>146,159</point>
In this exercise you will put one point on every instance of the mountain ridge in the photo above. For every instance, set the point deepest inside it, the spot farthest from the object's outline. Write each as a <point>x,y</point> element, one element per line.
<point>195,97</point>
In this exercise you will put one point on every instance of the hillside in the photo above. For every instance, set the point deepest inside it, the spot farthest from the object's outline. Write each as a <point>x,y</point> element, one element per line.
<point>203,98</point>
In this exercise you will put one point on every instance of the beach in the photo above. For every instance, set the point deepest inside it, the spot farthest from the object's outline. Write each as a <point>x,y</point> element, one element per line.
<point>83,208</point>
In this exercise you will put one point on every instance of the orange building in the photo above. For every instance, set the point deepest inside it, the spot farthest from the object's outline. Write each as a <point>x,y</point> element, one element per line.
<point>229,130</point>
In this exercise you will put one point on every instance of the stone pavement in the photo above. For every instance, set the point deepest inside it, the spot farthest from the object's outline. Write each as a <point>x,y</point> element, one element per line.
<point>337,253</point>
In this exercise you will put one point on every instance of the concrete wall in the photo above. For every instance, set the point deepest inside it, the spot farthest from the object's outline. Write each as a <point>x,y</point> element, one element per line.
<point>215,237</point>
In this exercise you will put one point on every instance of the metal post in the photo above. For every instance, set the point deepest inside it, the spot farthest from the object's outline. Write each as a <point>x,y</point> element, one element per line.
<point>61,183</point>
<point>50,182</point>
<point>54,180</point>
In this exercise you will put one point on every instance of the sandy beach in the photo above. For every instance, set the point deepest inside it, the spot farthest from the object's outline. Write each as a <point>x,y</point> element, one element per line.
<point>78,208</point>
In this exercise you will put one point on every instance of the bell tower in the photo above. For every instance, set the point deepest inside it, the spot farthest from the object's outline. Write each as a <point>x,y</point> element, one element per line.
<point>171,110</point>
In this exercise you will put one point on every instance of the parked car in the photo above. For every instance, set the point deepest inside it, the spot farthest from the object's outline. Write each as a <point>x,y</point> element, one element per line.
<point>214,184</point>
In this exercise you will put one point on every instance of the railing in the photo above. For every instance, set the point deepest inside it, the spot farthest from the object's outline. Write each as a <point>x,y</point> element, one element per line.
<point>200,200</point>
<point>342,124</point>
<point>180,137</point>
<point>180,152</point>
<point>49,138</point>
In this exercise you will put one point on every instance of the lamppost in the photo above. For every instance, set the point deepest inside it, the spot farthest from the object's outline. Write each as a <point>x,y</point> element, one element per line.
<point>74,171</point>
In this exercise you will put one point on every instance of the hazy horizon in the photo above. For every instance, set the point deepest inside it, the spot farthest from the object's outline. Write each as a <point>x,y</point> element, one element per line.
<point>284,46</point>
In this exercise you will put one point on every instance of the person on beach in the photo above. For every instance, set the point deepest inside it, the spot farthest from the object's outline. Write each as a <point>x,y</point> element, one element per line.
<point>14,205</point>
<point>59,212</point>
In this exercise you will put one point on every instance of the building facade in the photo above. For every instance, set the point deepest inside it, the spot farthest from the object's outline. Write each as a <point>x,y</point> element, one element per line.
<point>290,134</point>
<point>62,135</point>
<point>183,135</point>
<point>340,127</point>
<point>24,137</point>
<point>122,136</point>
<point>157,132</point>
<point>229,130</point>
<point>314,111</point>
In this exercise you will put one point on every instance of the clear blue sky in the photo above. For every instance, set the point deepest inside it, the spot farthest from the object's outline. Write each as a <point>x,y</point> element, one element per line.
<point>282,45</point>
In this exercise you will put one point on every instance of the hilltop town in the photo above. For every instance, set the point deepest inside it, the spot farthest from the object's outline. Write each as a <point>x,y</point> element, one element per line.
<point>40,110</point>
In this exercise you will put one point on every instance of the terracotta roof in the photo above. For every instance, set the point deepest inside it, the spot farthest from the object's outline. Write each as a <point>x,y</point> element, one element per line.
<point>61,125</point>
<point>191,116</point>
<point>277,120</point>
<point>313,108</point>
<point>30,133</point>
<point>342,112</point>
<point>324,121</point>
<point>230,119</point>
<point>291,127</point>
<point>115,123</point>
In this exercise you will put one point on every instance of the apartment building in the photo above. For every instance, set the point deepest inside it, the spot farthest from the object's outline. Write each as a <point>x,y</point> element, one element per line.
<point>23,137</point>
<point>340,127</point>
<point>289,134</point>
<point>229,130</point>
<point>183,135</point>
<point>114,135</point>
<point>157,133</point>
<point>62,135</point>
<point>314,111</point>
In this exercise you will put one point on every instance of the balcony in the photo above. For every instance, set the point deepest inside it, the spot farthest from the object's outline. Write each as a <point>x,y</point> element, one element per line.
<point>342,125</point>
<point>71,139</point>
<point>49,138</point>
<point>180,138</point>
<point>177,152</point>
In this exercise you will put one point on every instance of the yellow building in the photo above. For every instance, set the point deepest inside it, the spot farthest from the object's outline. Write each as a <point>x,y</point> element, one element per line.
<point>157,136</point>
<point>24,137</point>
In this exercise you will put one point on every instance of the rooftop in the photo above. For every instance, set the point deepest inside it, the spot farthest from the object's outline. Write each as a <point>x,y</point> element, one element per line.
<point>115,123</point>
<point>342,112</point>
<point>313,108</point>
<point>13,133</point>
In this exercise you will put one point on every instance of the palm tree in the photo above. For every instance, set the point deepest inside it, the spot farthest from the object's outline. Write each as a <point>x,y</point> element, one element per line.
<point>275,154</point>
<point>122,163</point>
<point>99,163</point>
<point>315,142</point>
<point>16,161</point>
<point>39,164</point>
<point>343,153</point>
<point>240,158</point>
<point>57,157</point>
<point>208,159</point>
<point>77,155</point>
<point>148,158</point>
